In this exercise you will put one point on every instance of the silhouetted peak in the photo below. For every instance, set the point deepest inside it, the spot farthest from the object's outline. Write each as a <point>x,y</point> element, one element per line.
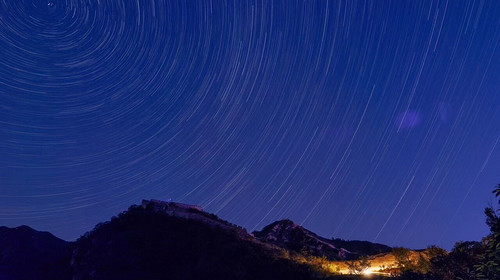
<point>23,232</point>
<point>160,240</point>
<point>23,228</point>
<point>285,224</point>
<point>291,236</point>
<point>26,253</point>
<point>279,229</point>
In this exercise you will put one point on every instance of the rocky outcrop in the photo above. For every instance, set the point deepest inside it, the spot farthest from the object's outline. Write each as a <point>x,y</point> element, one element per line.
<point>288,235</point>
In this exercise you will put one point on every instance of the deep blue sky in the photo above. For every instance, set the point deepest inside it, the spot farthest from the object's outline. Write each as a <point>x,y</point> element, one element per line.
<point>373,120</point>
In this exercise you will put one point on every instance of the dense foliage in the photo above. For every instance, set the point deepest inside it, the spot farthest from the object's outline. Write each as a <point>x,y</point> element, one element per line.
<point>467,260</point>
<point>489,264</point>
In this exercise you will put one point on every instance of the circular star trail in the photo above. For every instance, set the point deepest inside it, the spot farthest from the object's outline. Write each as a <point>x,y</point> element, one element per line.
<point>363,120</point>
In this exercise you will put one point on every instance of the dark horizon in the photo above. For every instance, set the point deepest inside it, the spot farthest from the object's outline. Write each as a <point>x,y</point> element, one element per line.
<point>375,121</point>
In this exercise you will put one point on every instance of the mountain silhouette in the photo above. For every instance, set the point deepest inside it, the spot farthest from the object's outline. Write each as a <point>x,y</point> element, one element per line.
<point>29,254</point>
<point>167,240</point>
<point>288,235</point>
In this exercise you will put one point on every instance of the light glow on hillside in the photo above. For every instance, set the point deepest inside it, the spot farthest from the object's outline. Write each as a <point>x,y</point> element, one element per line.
<point>367,272</point>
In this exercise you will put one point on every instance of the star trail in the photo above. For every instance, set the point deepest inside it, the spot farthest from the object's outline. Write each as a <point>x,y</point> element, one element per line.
<point>369,120</point>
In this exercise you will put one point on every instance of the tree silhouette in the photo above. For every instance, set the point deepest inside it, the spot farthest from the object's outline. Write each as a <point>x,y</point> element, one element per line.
<point>496,191</point>
<point>489,265</point>
<point>403,259</point>
<point>358,267</point>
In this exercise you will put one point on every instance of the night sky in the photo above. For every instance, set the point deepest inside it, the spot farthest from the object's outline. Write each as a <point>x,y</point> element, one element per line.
<point>375,120</point>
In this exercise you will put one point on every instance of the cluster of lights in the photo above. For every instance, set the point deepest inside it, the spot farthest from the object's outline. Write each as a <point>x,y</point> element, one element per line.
<point>367,272</point>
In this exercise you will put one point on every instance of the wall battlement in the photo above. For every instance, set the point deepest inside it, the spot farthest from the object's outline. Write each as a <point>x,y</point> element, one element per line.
<point>160,205</point>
